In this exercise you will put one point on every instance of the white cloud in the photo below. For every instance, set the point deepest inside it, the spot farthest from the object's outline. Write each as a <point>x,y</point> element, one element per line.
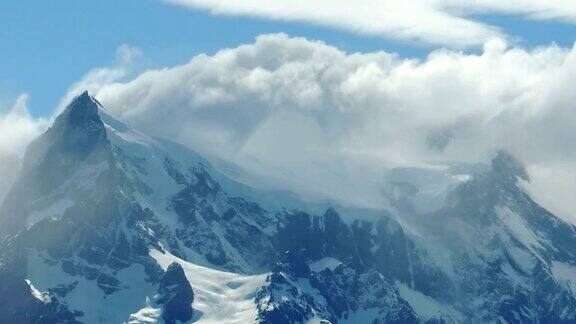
<point>309,117</point>
<point>438,22</point>
<point>412,20</point>
<point>552,185</point>
<point>561,10</point>
<point>126,56</point>
<point>18,128</point>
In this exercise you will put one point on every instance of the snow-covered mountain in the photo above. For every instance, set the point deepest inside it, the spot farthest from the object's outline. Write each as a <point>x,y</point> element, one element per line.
<point>108,225</point>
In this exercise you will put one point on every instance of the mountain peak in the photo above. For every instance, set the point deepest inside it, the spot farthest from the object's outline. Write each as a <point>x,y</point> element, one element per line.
<point>84,94</point>
<point>82,108</point>
<point>505,164</point>
<point>80,124</point>
<point>77,131</point>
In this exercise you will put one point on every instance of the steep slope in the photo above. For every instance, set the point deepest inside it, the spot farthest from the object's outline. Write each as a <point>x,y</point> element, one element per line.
<point>197,220</point>
<point>488,254</point>
<point>336,271</point>
<point>508,258</point>
<point>94,197</point>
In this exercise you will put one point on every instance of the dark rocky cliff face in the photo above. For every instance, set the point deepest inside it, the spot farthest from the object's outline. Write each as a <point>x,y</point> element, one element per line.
<point>175,295</point>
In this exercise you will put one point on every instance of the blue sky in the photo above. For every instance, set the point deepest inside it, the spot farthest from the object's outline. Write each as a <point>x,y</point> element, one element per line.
<point>48,45</point>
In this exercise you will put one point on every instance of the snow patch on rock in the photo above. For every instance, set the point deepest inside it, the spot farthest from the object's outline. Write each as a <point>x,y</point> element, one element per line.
<point>325,263</point>
<point>565,273</point>
<point>147,315</point>
<point>426,307</point>
<point>41,296</point>
<point>56,209</point>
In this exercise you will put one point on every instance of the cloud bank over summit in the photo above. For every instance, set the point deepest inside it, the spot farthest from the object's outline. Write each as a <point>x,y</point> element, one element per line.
<point>375,105</point>
<point>309,117</point>
<point>315,112</point>
<point>453,23</point>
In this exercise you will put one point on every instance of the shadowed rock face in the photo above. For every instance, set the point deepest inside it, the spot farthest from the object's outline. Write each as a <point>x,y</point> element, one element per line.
<point>175,295</point>
<point>505,165</point>
<point>76,134</point>
<point>18,302</point>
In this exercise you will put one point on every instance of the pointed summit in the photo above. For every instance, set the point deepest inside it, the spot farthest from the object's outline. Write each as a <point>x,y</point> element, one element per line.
<point>506,165</point>
<point>76,132</point>
<point>80,125</point>
<point>78,135</point>
<point>82,109</point>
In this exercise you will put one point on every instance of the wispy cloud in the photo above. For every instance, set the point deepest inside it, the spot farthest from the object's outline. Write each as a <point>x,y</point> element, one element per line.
<point>435,22</point>
<point>560,10</point>
<point>18,128</point>
<point>126,57</point>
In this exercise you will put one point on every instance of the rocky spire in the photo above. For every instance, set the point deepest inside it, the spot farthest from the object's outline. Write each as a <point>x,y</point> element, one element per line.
<point>76,132</point>
<point>506,165</point>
